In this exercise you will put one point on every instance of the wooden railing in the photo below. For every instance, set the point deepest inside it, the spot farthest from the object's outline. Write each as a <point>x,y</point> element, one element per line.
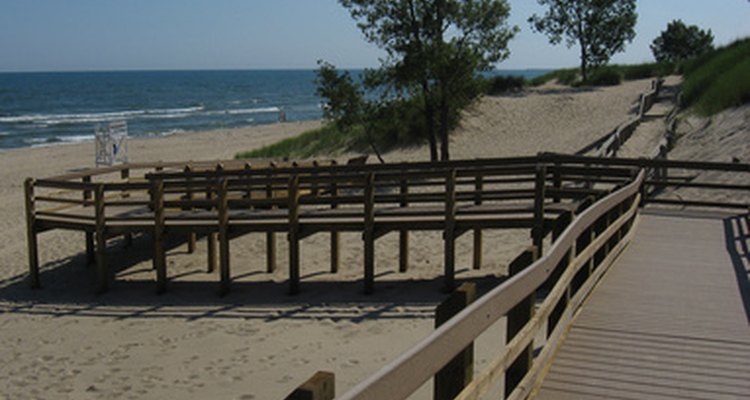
<point>576,260</point>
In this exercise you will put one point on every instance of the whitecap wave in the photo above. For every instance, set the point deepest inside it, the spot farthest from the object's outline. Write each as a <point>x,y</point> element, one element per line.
<point>83,118</point>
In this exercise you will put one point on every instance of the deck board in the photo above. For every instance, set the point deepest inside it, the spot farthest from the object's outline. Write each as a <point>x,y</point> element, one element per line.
<point>668,321</point>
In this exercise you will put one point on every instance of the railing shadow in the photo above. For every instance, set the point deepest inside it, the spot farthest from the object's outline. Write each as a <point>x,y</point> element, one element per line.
<point>737,235</point>
<point>69,290</point>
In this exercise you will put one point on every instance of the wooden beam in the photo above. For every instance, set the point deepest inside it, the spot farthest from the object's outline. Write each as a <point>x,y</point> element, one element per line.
<point>31,235</point>
<point>102,271</point>
<point>270,236</point>
<point>478,188</point>
<point>335,236</point>
<point>159,256</point>
<point>449,239</point>
<point>455,375</point>
<point>517,318</point>
<point>403,235</point>
<point>368,236</point>
<point>321,386</point>
<point>539,194</point>
<point>90,247</point>
<point>189,197</point>
<point>223,221</point>
<point>293,209</point>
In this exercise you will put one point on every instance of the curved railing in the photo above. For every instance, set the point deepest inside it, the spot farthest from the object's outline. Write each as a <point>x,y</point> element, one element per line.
<point>588,244</point>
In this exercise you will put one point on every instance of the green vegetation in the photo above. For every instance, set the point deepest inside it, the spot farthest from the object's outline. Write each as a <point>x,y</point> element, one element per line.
<point>504,84</point>
<point>599,28</point>
<point>681,42</point>
<point>567,76</point>
<point>308,144</point>
<point>719,79</point>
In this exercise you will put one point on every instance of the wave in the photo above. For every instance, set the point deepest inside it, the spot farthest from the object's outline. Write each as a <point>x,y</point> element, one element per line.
<point>45,120</point>
<point>83,118</point>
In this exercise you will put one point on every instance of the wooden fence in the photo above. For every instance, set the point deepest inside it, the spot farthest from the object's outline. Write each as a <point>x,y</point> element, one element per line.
<point>224,203</point>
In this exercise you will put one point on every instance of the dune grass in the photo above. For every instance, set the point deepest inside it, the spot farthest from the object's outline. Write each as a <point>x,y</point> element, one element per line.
<point>718,80</point>
<point>311,143</point>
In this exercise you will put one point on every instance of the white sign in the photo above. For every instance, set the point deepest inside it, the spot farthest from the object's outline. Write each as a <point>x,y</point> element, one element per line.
<point>112,143</point>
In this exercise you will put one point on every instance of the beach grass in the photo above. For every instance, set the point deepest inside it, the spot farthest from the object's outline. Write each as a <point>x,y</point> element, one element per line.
<point>325,139</point>
<point>718,80</point>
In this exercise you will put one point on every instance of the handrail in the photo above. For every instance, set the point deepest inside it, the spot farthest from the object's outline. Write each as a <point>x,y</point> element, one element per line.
<point>408,372</point>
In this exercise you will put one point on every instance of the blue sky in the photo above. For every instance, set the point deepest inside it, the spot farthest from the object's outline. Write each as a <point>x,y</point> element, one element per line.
<point>65,35</point>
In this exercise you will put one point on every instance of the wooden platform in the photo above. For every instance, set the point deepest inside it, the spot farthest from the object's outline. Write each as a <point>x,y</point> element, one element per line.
<point>670,320</point>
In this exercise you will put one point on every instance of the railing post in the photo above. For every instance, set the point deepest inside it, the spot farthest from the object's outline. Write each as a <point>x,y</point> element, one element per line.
<point>368,236</point>
<point>125,175</point>
<point>102,271</point>
<point>335,236</point>
<point>31,236</point>
<point>517,318</point>
<point>321,386</point>
<point>455,375</point>
<point>537,232</point>
<point>449,233</point>
<point>557,182</point>
<point>478,188</point>
<point>223,220</point>
<point>159,260</point>
<point>293,236</point>
<point>403,236</point>
<point>90,247</point>
<point>189,197</point>
<point>270,236</point>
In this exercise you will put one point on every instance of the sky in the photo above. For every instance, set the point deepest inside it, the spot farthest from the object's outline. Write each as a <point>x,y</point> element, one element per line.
<point>86,35</point>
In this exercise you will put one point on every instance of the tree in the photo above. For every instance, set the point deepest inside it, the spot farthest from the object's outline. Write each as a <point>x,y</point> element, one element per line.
<point>435,52</point>
<point>344,100</point>
<point>680,42</point>
<point>599,27</point>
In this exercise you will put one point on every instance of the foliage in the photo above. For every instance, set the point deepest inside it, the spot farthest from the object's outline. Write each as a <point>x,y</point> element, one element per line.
<point>718,80</point>
<point>435,51</point>
<point>604,76</point>
<point>504,84</point>
<point>319,141</point>
<point>681,42</point>
<point>344,100</point>
<point>599,27</point>
<point>646,70</point>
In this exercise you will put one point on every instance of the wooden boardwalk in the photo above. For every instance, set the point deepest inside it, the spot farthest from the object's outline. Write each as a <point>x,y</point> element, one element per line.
<point>670,320</point>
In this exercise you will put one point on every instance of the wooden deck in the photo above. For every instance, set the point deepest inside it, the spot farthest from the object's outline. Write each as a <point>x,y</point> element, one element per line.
<point>670,320</point>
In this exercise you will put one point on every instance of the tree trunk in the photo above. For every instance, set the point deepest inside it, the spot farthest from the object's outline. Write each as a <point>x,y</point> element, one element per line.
<point>584,63</point>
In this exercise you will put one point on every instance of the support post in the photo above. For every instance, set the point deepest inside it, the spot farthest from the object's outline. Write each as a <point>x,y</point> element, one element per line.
<point>31,236</point>
<point>452,378</point>
<point>335,236</point>
<point>369,233</point>
<point>293,208</point>
<point>557,182</point>
<point>211,240</point>
<point>449,239</point>
<point>478,188</point>
<point>189,197</point>
<point>537,232</point>
<point>160,259</point>
<point>321,386</point>
<point>90,247</point>
<point>102,271</point>
<point>270,236</point>
<point>403,235</point>
<point>223,216</point>
<point>517,318</point>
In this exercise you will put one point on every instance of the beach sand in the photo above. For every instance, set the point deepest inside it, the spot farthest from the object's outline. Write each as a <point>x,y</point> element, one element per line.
<point>257,343</point>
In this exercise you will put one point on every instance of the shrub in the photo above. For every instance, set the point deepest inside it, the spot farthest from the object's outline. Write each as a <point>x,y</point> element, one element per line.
<point>646,70</point>
<point>504,84</point>
<point>605,76</point>
<point>718,69</point>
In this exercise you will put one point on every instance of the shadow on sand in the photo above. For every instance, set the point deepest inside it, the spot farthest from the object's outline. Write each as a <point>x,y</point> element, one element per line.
<point>68,290</point>
<point>737,234</point>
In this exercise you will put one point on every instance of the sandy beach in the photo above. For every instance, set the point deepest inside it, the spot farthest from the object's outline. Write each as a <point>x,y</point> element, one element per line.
<point>64,342</point>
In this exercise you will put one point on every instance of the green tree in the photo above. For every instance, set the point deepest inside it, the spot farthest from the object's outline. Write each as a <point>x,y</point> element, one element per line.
<point>344,99</point>
<point>599,27</point>
<point>681,42</point>
<point>435,52</point>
